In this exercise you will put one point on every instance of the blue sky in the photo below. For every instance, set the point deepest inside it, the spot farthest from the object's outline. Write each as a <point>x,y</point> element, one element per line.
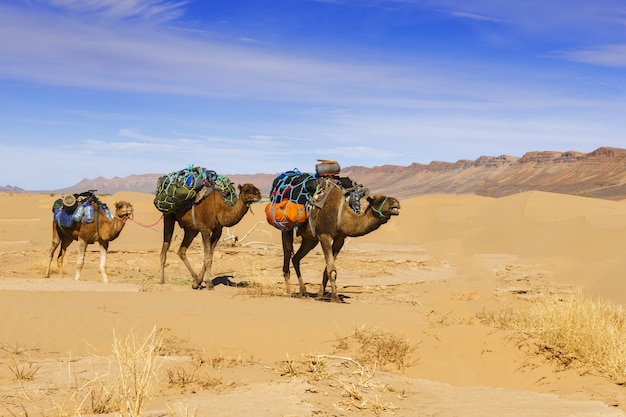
<point>111,88</point>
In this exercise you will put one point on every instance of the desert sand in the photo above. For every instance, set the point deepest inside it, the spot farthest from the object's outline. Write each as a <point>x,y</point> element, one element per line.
<point>423,277</point>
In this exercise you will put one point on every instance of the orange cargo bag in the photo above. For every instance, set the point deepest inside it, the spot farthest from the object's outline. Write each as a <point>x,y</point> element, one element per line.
<point>286,214</point>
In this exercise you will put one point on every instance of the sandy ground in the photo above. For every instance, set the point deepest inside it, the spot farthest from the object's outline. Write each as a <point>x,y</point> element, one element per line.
<point>422,278</point>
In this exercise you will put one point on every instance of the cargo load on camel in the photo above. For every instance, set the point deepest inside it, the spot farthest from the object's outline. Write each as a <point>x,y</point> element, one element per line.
<point>293,193</point>
<point>289,197</point>
<point>179,190</point>
<point>75,208</point>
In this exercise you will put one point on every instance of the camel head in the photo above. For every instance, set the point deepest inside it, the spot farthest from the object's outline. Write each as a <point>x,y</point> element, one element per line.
<point>123,210</point>
<point>249,194</point>
<point>384,207</point>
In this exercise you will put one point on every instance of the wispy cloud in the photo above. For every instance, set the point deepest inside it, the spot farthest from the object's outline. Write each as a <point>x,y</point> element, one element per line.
<point>605,55</point>
<point>153,10</point>
<point>143,59</point>
<point>477,17</point>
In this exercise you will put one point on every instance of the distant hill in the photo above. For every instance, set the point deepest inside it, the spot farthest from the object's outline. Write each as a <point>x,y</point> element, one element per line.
<point>11,189</point>
<point>600,174</point>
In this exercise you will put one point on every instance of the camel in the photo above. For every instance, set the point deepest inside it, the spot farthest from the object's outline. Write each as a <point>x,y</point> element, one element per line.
<point>101,230</point>
<point>330,225</point>
<point>207,217</point>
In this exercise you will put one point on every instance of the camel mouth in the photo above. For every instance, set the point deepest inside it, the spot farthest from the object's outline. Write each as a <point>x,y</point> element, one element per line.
<point>250,202</point>
<point>127,214</point>
<point>394,211</point>
<point>255,199</point>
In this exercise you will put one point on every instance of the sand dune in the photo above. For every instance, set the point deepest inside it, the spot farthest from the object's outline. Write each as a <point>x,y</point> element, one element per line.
<point>424,276</point>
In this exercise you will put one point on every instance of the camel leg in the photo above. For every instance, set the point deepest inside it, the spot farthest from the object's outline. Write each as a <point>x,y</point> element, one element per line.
<point>60,258</point>
<point>104,247</point>
<point>55,244</point>
<point>80,260</point>
<point>287,238</point>
<point>182,254</point>
<point>337,245</point>
<point>305,247</point>
<point>331,249</point>
<point>210,240</point>
<point>169,221</point>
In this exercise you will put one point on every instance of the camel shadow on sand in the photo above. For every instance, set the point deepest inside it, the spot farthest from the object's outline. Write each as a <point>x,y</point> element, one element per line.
<point>326,298</point>
<point>227,280</point>
<point>224,280</point>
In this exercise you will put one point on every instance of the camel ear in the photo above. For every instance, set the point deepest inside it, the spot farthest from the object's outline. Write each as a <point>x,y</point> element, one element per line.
<point>369,199</point>
<point>239,187</point>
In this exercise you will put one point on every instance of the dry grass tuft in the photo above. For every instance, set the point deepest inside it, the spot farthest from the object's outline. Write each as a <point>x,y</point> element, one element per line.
<point>192,376</point>
<point>378,348</point>
<point>221,360</point>
<point>123,389</point>
<point>23,371</point>
<point>359,391</point>
<point>576,328</point>
<point>198,373</point>
<point>263,287</point>
<point>182,410</point>
<point>315,367</point>
<point>137,365</point>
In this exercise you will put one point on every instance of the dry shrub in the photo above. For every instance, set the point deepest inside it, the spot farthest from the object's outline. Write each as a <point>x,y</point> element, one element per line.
<point>379,348</point>
<point>221,360</point>
<point>92,396</point>
<point>124,389</point>
<point>23,371</point>
<point>137,366</point>
<point>313,366</point>
<point>182,410</point>
<point>197,374</point>
<point>192,375</point>
<point>358,388</point>
<point>355,397</point>
<point>263,287</point>
<point>592,331</point>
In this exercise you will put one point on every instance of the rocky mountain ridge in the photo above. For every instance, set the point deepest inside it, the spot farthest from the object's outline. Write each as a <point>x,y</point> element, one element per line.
<point>601,174</point>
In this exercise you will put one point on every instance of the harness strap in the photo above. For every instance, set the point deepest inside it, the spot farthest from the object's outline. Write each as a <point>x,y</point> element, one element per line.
<point>311,222</point>
<point>193,216</point>
<point>379,210</point>
<point>341,203</point>
<point>97,218</point>
<point>63,229</point>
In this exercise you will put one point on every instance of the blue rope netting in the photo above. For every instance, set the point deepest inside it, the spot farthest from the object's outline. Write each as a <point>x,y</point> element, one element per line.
<point>293,186</point>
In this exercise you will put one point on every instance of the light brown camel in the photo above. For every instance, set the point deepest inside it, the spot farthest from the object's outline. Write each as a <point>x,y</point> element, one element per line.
<point>101,230</point>
<point>207,217</point>
<point>330,225</point>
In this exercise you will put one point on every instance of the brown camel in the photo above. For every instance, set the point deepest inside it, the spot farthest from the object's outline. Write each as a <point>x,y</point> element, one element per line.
<point>101,230</point>
<point>207,217</point>
<point>330,225</point>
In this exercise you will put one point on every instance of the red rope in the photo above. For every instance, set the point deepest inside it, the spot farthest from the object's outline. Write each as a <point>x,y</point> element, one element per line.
<point>147,225</point>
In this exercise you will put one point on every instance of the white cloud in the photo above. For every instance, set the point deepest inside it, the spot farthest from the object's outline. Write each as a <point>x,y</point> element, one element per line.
<point>154,10</point>
<point>603,55</point>
<point>477,17</point>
